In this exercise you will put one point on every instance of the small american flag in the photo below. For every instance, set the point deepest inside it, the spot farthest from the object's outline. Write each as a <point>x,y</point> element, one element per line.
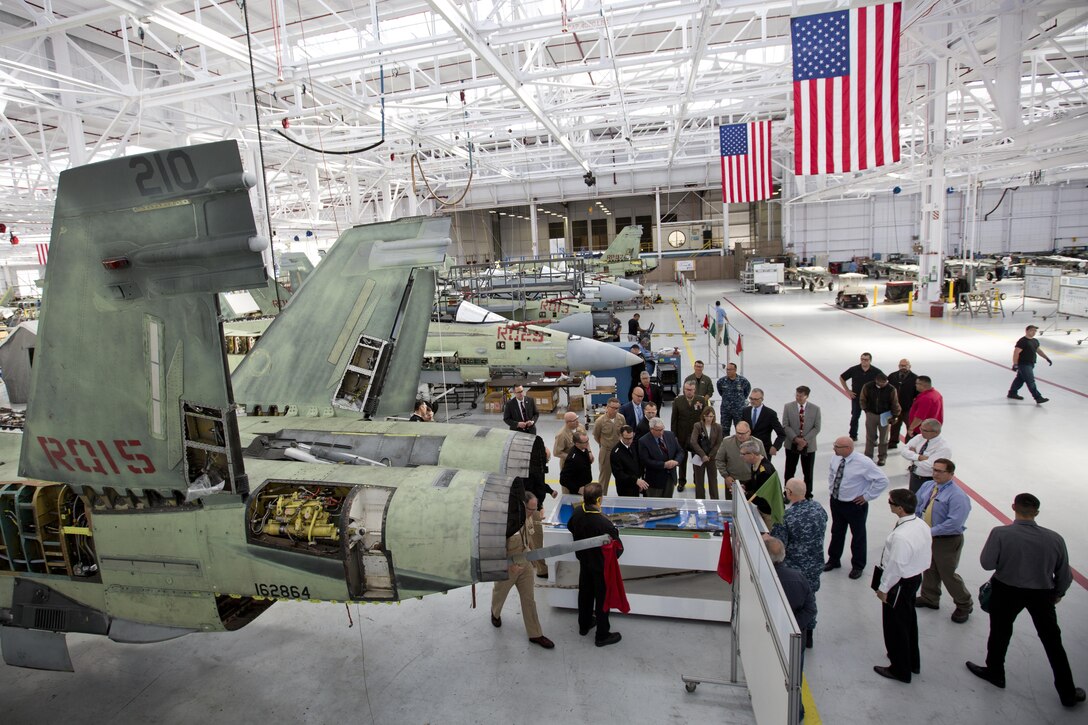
<point>43,253</point>
<point>846,89</point>
<point>746,162</point>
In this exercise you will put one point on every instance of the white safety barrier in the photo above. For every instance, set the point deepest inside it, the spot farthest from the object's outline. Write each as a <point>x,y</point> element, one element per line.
<point>766,638</point>
<point>765,632</point>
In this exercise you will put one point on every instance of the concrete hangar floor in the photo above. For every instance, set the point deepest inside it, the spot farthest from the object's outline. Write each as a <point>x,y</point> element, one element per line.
<point>438,660</point>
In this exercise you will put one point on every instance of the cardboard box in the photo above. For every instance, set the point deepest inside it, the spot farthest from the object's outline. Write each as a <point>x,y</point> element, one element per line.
<point>577,402</point>
<point>546,399</point>
<point>493,403</point>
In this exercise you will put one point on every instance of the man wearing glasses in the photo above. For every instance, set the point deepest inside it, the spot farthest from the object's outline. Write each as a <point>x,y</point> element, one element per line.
<point>763,421</point>
<point>922,450</point>
<point>945,506</point>
<point>520,412</point>
<point>854,480</point>
<point>906,555</point>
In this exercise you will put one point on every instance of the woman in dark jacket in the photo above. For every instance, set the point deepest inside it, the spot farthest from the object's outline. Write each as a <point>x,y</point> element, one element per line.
<point>706,436</point>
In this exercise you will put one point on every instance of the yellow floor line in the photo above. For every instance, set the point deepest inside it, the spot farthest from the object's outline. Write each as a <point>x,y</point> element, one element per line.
<point>686,337</point>
<point>812,715</point>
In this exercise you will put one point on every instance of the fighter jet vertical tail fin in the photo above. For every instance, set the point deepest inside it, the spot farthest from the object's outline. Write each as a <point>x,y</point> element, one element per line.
<point>129,389</point>
<point>626,244</point>
<point>352,337</point>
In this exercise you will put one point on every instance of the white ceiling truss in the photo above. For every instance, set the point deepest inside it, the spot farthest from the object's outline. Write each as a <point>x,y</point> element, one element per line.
<point>513,99</point>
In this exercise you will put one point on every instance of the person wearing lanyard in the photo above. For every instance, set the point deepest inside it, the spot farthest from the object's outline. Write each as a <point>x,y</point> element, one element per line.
<point>906,555</point>
<point>587,521</point>
<point>945,508</point>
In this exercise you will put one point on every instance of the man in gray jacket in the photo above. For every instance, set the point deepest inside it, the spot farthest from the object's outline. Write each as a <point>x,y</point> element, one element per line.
<point>1031,571</point>
<point>730,463</point>
<point>801,420</point>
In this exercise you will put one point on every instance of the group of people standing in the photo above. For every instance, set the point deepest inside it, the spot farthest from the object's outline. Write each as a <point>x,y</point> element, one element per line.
<point>920,556</point>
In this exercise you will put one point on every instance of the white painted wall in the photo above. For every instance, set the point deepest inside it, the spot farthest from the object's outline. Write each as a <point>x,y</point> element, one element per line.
<point>1029,219</point>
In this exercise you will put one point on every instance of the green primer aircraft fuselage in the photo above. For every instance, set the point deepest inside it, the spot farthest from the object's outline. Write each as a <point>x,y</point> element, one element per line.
<point>145,508</point>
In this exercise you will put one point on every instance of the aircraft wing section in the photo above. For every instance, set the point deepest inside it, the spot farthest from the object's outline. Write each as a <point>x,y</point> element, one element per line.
<point>129,389</point>
<point>352,337</point>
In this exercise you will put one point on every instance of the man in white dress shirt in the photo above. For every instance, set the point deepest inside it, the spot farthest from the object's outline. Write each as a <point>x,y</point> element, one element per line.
<point>854,480</point>
<point>906,555</point>
<point>922,450</point>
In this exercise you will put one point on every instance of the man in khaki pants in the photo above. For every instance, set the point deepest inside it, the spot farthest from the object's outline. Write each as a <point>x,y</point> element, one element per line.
<point>607,430</point>
<point>521,576</point>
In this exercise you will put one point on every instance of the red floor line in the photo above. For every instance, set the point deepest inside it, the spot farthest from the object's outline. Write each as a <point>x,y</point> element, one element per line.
<point>796,354</point>
<point>975,495</point>
<point>954,349</point>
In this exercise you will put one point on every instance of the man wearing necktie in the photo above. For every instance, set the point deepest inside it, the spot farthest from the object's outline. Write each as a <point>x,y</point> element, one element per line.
<point>520,412</point>
<point>854,480</point>
<point>923,449</point>
<point>763,421</point>
<point>946,508</point>
<point>660,454</point>
<point>632,411</point>
<point>801,422</point>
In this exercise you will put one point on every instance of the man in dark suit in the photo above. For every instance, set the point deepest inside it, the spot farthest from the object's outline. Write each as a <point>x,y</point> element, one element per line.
<point>632,412</point>
<point>626,468</point>
<point>903,380</point>
<point>520,412</point>
<point>763,421</point>
<point>660,454</point>
<point>643,429</point>
<point>652,390</point>
<point>578,468</point>
<point>801,421</point>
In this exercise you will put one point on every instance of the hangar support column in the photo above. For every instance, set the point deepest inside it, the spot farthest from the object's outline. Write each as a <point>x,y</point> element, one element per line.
<point>931,262</point>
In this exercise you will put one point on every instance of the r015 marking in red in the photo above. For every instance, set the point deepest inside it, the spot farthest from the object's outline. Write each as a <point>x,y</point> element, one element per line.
<point>82,453</point>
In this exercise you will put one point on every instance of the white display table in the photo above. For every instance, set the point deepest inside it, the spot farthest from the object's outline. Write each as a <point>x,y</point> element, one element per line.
<point>670,572</point>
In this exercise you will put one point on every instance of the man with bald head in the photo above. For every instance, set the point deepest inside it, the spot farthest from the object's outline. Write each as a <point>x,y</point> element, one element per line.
<point>729,461</point>
<point>632,411</point>
<point>802,531</point>
<point>564,440</point>
<point>853,480</point>
<point>903,380</point>
<point>797,590</point>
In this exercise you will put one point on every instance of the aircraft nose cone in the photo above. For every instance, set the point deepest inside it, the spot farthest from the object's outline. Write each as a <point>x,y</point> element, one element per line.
<point>580,323</point>
<point>615,293</point>
<point>629,284</point>
<point>588,354</point>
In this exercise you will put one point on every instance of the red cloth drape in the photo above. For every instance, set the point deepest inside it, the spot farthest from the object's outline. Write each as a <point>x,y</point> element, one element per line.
<point>725,558</point>
<point>614,595</point>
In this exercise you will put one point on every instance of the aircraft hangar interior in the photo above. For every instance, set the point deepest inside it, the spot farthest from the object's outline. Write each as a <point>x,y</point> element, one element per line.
<point>301,301</point>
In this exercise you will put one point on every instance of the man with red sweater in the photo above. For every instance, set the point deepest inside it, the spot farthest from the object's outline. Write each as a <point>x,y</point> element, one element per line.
<point>928,404</point>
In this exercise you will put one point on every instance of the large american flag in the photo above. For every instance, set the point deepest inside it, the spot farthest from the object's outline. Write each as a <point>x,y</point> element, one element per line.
<point>746,161</point>
<point>846,89</point>
<point>43,253</point>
